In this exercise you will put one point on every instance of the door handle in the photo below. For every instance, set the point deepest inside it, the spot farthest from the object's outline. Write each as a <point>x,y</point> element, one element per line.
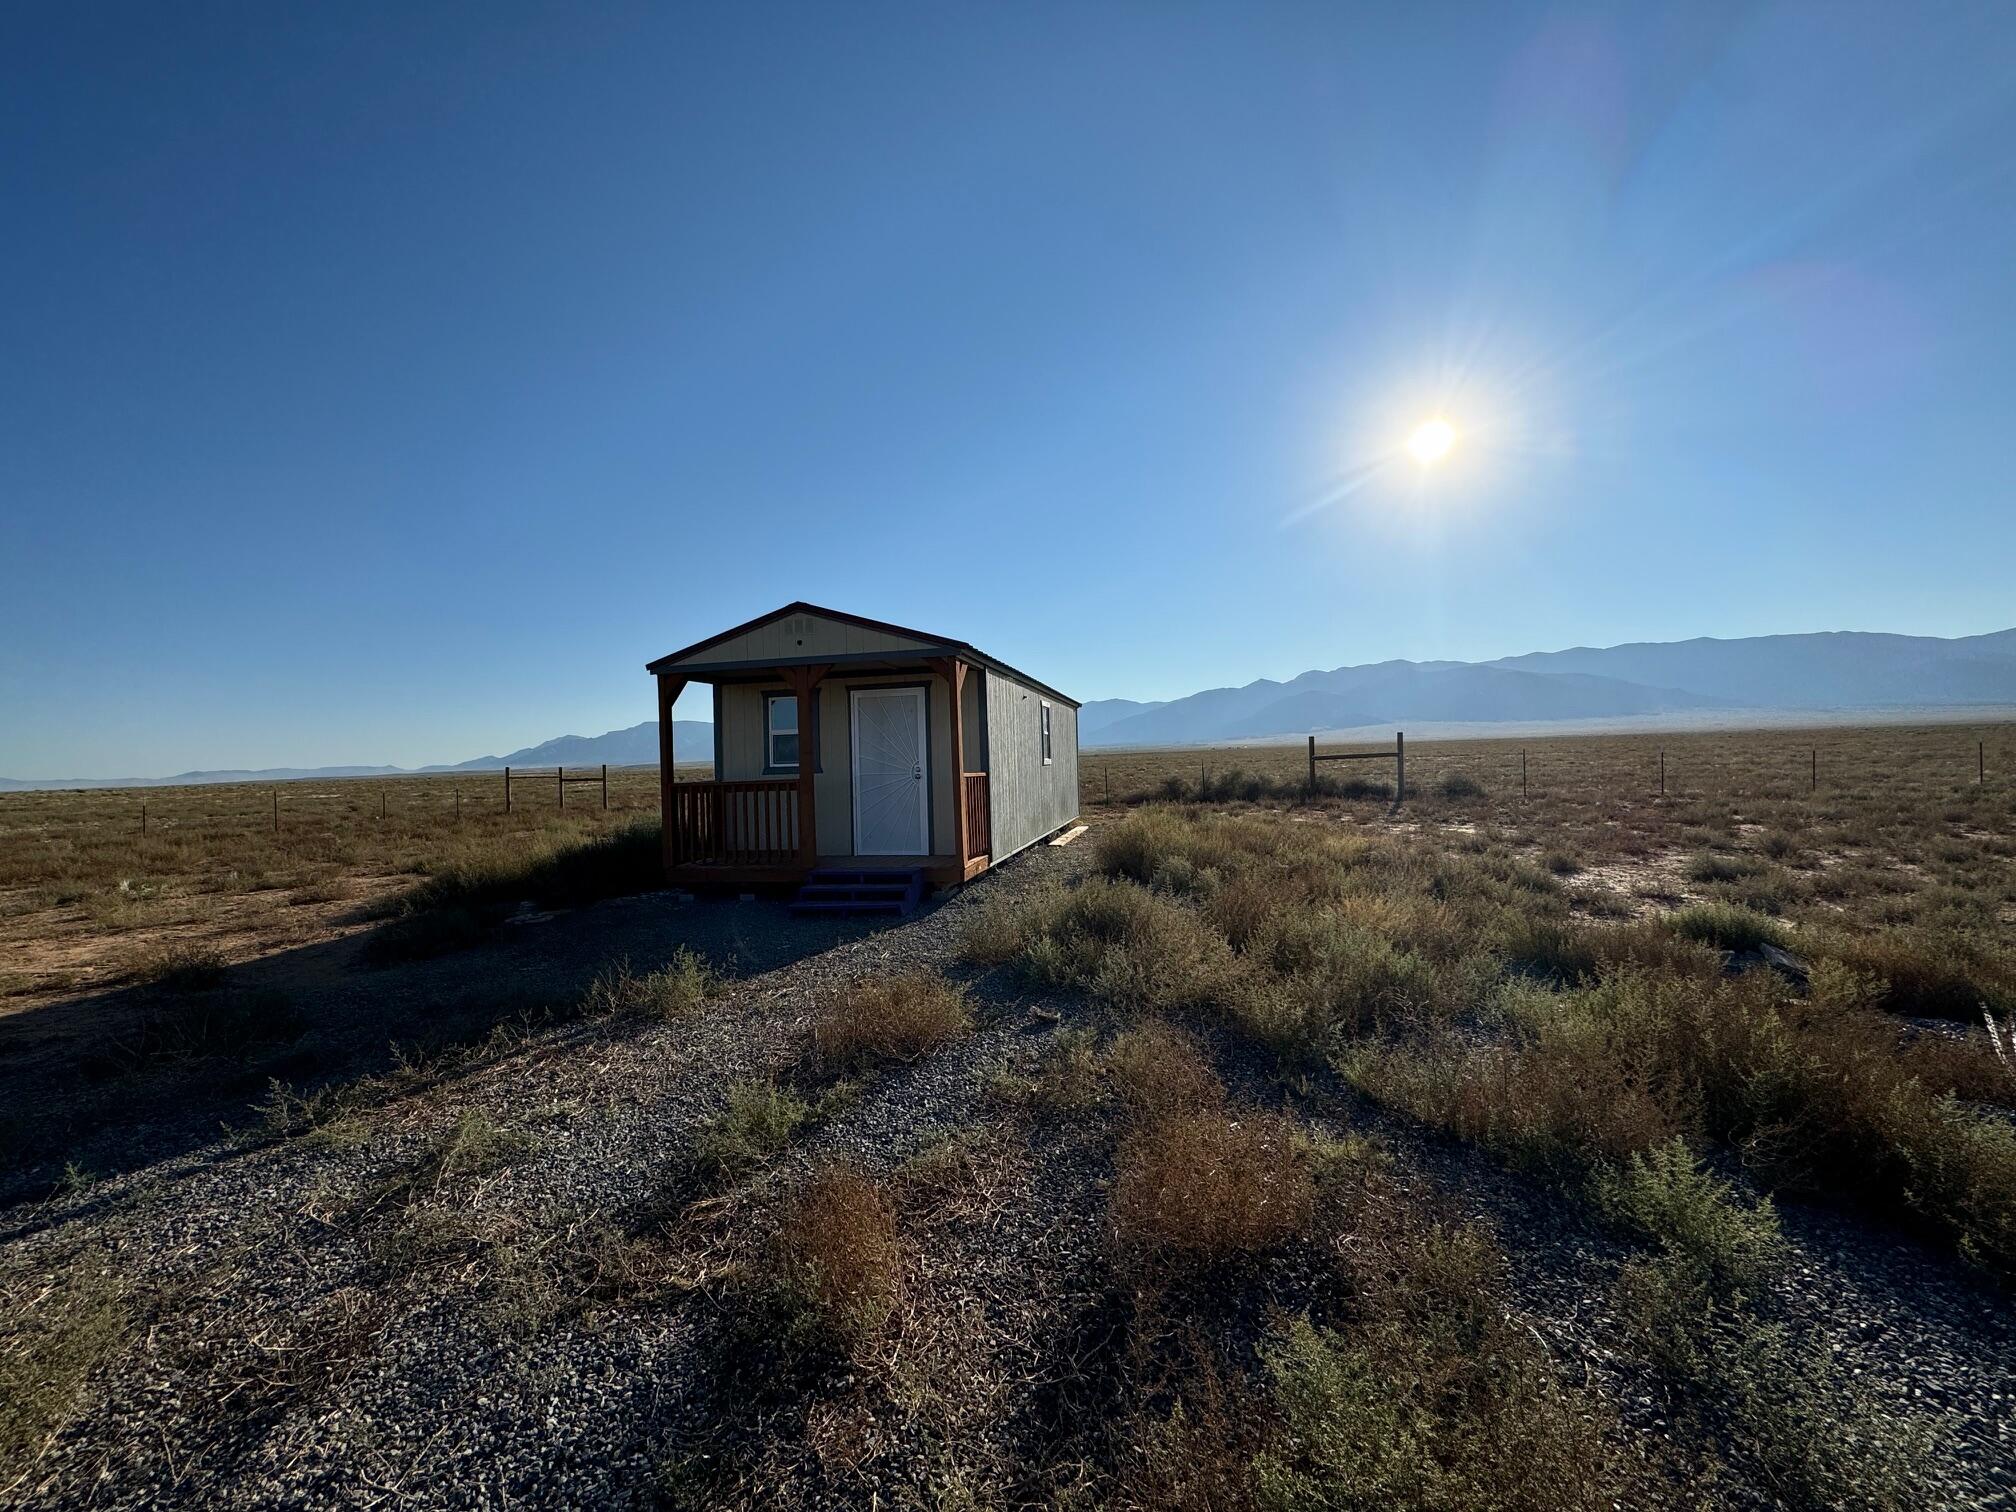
<point>917,773</point>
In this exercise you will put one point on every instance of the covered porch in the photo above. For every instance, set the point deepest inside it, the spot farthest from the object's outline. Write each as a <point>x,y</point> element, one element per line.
<point>740,829</point>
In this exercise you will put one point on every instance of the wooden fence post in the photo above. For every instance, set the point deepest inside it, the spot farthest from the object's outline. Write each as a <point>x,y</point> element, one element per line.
<point>143,816</point>
<point>1662,774</point>
<point>560,784</point>
<point>1980,762</point>
<point>1522,774</point>
<point>507,790</point>
<point>458,805</point>
<point>1400,762</point>
<point>1312,766</point>
<point>605,784</point>
<point>1816,770</point>
<point>276,810</point>
<point>381,804</point>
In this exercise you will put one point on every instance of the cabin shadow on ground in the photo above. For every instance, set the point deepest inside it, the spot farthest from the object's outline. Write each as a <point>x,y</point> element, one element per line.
<point>114,1081</point>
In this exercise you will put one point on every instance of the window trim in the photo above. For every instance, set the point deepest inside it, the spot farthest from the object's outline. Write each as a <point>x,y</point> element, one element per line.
<point>771,766</point>
<point>1043,735</point>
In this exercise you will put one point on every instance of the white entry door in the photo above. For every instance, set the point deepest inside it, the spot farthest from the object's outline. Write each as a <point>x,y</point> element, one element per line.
<point>891,804</point>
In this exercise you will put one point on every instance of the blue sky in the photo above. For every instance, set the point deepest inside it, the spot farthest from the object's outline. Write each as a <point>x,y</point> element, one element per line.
<point>388,383</point>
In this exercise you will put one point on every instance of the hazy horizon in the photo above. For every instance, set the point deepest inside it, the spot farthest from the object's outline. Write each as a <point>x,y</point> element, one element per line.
<point>1761,717</point>
<point>389,385</point>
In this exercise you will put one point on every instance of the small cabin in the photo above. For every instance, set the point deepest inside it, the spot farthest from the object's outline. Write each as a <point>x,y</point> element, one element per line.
<point>848,742</point>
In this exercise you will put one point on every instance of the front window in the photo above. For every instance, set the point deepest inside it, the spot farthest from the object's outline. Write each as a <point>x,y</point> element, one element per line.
<point>780,732</point>
<point>1046,732</point>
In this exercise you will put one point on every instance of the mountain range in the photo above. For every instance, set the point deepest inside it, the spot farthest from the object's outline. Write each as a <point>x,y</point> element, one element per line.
<point>1830,670</point>
<point>1824,671</point>
<point>693,740</point>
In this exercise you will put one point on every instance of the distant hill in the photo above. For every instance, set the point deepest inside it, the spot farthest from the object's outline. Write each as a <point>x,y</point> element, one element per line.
<point>1824,671</point>
<point>1829,670</point>
<point>693,740</point>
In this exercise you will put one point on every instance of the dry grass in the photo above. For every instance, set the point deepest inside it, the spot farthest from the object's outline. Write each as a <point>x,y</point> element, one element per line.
<point>56,1328</point>
<point>1459,986</point>
<point>1161,1072</point>
<point>86,896</point>
<point>895,1018</point>
<point>671,992</point>
<point>838,1258</point>
<point>1201,1187</point>
<point>758,1120</point>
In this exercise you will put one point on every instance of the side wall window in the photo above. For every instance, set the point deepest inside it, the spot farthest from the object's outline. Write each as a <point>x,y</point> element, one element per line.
<point>1046,732</point>
<point>780,733</point>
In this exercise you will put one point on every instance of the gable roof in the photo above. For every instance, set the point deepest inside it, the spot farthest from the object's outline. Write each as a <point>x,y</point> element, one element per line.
<point>928,645</point>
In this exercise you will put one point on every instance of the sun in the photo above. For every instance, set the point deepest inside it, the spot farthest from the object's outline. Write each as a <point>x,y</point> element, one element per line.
<point>1432,441</point>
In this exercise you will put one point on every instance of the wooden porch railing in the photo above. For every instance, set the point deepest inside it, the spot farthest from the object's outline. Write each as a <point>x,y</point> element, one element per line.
<point>979,824</point>
<point>735,823</point>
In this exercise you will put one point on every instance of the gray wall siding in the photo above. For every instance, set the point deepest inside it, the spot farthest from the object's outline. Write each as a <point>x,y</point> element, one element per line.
<point>1026,798</point>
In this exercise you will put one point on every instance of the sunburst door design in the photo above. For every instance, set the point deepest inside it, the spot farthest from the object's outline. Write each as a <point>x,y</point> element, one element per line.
<point>890,813</point>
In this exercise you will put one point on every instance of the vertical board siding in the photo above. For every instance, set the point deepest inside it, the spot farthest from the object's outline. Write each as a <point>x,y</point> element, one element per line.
<point>1028,799</point>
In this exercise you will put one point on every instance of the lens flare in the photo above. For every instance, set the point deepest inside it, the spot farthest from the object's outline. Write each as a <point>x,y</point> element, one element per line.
<point>1432,441</point>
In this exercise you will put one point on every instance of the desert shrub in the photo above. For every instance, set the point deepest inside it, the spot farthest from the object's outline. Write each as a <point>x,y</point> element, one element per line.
<point>55,1330</point>
<point>1726,926</point>
<point>1930,974</point>
<point>1324,978</point>
<point>1665,1196</point>
<point>1561,863</point>
<point>208,1024</point>
<point>1130,946</point>
<point>890,1018</point>
<point>1433,1395</point>
<point>1160,1072</point>
<point>1973,1067</point>
<point>1459,785</point>
<point>1067,1077</point>
<point>759,1119</point>
<point>180,966</point>
<point>1689,1307</point>
<point>838,1258</point>
<point>1358,788</point>
<point>324,890</point>
<point>995,934</point>
<point>672,991</point>
<point>1714,866</point>
<point>423,934</point>
<point>1779,846</point>
<point>1556,949</point>
<point>621,861</point>
<point>1812,1434</point>
<point>1202,1188</point>
<point>1382,1417</point>
<point>1808,1094</point>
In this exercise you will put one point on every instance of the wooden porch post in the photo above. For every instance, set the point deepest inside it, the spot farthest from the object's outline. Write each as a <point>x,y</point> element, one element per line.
<point>804,685</point>
<point>669,689</point>
<point>953,671</point>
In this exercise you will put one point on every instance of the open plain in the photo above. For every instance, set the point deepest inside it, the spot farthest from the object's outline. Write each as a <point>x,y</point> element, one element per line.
<point>1546,1141</point>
